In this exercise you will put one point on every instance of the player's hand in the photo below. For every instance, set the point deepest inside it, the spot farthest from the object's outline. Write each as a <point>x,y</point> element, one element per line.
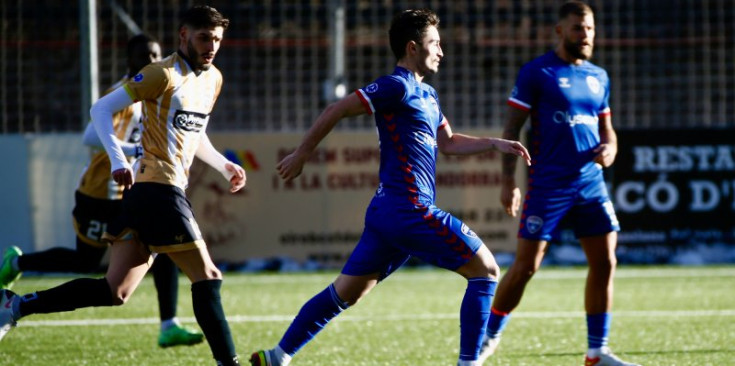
<point>290,167</point>
<point>238,179</point>
<point>513,147</point>
<point>123,177</point>
<point>605,154</point>
<point>510,198</point>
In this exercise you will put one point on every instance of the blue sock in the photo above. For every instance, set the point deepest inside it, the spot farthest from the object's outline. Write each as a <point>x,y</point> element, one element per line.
<point>311,319</point>
<point>497,323</point>
<point>473,316</point>
<point>598,327</point>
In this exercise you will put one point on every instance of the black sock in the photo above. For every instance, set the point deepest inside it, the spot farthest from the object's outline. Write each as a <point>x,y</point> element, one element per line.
<point>75,294</point>
<point>211,318</point>
<point>63,260</point>
<point>166,279</point>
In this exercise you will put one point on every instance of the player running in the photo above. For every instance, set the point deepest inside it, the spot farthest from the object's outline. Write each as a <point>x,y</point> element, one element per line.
<point>402,219</point>
<point>98,200</point>
<point>178,94</point>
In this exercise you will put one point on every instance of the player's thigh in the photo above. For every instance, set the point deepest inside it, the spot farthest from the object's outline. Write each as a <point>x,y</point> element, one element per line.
<point>196,263</point>
<point>600,249</point>
<point>129,262</point>
<point>441,239</point>
<point>165,223</point>
<point>374,255</point>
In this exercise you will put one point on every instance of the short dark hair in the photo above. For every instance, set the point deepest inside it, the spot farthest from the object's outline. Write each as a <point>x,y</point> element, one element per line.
<point>139,40</point>
<point>579,8</point>
<point>203,16</point>
<point>409,25</point>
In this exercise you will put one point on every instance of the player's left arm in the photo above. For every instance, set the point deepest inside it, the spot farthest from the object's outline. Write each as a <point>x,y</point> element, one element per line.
<point>608,148</point>
<point>290,167</point>
<point>460,144</point>
<point>231,171</point>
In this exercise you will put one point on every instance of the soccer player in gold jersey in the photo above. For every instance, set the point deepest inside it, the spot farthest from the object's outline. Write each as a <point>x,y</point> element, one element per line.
<point>178,94</point>
<point>98,200</point>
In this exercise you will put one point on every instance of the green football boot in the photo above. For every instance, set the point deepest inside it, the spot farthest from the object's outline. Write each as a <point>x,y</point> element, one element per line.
<point>8,275</point>
<point>179,336</point>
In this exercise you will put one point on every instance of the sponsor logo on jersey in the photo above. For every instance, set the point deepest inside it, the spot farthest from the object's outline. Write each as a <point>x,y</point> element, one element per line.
<point>593,84</point>
<point>534,224</point>
<point>467,231</point>
<point>190,121</point>
<point>572,120</point>
<point>372,88</point>
<point>138,78</point>
<point>564,83</point>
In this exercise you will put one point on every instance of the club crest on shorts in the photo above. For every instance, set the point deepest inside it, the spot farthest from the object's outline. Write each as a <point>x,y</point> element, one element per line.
<point>467,231</point>
<point>534,224</point>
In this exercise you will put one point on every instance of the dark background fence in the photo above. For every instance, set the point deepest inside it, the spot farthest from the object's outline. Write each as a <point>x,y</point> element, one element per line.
<point>670,62</point>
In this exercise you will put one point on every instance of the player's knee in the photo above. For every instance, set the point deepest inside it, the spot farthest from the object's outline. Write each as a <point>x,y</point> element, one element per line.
<point>605,264</point>
<point>120,298</point>
<point>493,270</point>
<point>523,271</point>
<point>213,273</point>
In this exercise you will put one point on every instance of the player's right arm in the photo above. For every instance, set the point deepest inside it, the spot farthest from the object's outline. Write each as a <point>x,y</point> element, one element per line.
<point>101,114</point>
<point>510,194</point>
<point>290,167</point>
<point>91,139</point>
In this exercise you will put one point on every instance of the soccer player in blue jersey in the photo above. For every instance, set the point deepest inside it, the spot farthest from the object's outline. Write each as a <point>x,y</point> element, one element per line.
<point>401,219</point>
<point>572,139</point>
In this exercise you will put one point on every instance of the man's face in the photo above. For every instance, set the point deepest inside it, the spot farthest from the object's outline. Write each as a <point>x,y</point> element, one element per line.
<point>201,45</point>
<point>143,55</point>
<point>430,52</point>
<point>578,35</point>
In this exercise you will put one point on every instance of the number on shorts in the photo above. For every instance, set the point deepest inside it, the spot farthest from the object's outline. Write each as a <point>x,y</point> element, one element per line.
<point>96,229</point>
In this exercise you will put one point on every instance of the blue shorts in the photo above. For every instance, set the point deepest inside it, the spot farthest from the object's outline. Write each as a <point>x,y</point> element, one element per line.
<point>392,235</point>
<point>585,206</point>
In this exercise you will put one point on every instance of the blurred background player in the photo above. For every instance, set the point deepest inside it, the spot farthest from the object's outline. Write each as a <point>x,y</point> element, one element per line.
<point>402,219</point>
<point>572,139</point>
<point>177,96</point>
<point>98,200</point>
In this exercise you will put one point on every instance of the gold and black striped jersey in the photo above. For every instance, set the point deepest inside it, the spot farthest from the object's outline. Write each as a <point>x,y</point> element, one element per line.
<point>176,105</point>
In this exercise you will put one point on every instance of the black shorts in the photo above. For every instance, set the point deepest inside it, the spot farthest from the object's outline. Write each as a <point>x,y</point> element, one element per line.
<point>91,217</point>
<point>159,216</point>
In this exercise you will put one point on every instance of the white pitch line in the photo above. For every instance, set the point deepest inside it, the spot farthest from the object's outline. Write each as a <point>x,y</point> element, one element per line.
<point>385,317</point>
<point>553,274</point>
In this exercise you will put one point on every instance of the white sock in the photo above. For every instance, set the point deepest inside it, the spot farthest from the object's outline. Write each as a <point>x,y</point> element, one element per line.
<point>594,352</point>
<point>280,357</point>
<point>467,363</point>
<point>168,323</point>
